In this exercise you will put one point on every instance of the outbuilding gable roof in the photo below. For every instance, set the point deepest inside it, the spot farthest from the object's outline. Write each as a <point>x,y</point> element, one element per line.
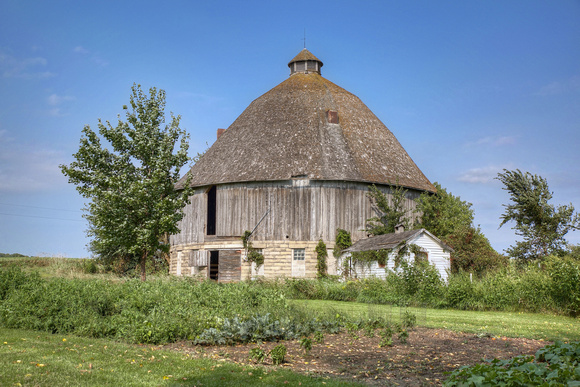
<point>307,126</point>
<point>392,240</point>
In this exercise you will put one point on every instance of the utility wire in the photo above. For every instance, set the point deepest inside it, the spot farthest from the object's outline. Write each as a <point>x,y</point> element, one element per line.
<point>41,208</point>
<point>41,217</point>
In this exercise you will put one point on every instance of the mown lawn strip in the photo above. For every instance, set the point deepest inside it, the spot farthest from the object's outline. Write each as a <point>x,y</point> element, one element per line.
<point>42,359</point>
<point>528,325</point>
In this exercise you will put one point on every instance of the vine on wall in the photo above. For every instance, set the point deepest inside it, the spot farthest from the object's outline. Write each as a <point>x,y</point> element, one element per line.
<point>252,255</point>
<point>343,241</point>
<point>321,255</point>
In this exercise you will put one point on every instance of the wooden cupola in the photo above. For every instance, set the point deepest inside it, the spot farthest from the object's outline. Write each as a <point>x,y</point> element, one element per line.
<point>304,63</point>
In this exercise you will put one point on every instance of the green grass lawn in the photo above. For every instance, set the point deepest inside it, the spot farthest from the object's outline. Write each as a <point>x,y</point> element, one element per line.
<point>29,358</point>
<point>529,325</point>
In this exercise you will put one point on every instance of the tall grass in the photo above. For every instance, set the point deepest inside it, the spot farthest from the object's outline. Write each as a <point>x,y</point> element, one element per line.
<point>162,310</point>
<point>553,288</point>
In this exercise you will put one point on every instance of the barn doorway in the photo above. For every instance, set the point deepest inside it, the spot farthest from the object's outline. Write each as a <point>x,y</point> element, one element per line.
<point>211,210</point>
<point>214,265</point>
<point>225,265</point>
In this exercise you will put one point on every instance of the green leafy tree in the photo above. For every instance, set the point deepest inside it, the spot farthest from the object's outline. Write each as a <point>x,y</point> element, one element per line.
<point>451,219</point>
<point>390,212</point>
<point>541,224</point>
<point>472,252</point>
<point>442,213</point>
<point>130,180</point>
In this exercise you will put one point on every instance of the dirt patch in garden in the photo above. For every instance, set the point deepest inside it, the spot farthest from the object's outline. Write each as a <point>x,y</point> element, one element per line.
<point>423,360</point>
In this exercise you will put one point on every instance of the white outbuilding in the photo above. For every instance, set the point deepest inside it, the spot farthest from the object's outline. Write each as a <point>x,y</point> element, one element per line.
<point>415,242</point>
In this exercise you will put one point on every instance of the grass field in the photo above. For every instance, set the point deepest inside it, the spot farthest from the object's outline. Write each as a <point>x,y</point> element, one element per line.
<point>29,358</point>
<point>529,325</point>
<point>39,358</point>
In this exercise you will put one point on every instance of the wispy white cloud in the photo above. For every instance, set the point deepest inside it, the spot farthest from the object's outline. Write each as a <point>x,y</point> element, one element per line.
<point>36,172</point>
<point>55,101</point>
<point>484,175</point>
<point>96,58</point>
<point>493,141</point>
<point>81,50</point>
<point>26,68</point>
<point>560,87</point>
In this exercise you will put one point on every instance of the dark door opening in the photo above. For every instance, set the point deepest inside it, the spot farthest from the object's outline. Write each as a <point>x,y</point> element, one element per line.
<point>214,265</point>
<point>211,211</point>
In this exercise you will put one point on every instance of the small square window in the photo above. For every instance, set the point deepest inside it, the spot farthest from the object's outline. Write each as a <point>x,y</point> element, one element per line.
<point>298,254</point>
<point>332,116</point>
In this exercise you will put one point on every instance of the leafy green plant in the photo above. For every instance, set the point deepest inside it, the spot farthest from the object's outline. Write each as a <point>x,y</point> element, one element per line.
<point>409,319</point>
<point>554,365</point>
<point>352,329</point>
<point>257,354</point>
<point>386,337</point>
<point>277,354</point>
<point>318,337</point>
<point>403,336</point>
<point>306,345</point>
<point>369,330</point>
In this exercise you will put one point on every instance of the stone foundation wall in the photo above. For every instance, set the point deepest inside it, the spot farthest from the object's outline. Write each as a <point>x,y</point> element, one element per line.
<point>278,258</point>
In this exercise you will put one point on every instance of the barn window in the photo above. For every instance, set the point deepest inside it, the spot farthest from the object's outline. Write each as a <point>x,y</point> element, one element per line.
<point>211,211</point>
<point>332,116</point>
<point>298,263</point>
<point>298,254</point>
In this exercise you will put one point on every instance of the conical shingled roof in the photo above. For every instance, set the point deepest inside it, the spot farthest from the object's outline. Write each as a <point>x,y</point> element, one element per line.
<point>287,132</point>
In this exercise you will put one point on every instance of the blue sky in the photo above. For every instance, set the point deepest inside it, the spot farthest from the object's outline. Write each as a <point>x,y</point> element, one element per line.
<point>467,87</point>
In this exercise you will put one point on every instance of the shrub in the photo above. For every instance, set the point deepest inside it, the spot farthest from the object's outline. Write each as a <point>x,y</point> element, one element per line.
<point>565,281</point>
<point>460,291</point>
<point>500,290</point>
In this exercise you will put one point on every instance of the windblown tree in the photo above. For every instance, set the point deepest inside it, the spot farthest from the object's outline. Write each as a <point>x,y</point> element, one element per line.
<point>129,181</point>
<point>451,219</point>
<point>541,224</point>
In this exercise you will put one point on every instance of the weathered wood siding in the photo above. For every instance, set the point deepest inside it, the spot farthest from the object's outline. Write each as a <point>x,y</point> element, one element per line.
<point>230,266</point>
<point>297,210</point>
<point>192,225</point>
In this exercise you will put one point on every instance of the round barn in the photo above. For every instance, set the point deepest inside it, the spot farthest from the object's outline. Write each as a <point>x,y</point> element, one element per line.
<point>293,168</point>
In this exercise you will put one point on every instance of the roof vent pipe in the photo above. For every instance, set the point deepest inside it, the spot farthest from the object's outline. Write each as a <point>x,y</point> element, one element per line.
<point>220,132</point>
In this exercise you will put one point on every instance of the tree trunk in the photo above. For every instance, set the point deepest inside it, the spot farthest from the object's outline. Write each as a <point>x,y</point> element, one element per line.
<point>142,264</point>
